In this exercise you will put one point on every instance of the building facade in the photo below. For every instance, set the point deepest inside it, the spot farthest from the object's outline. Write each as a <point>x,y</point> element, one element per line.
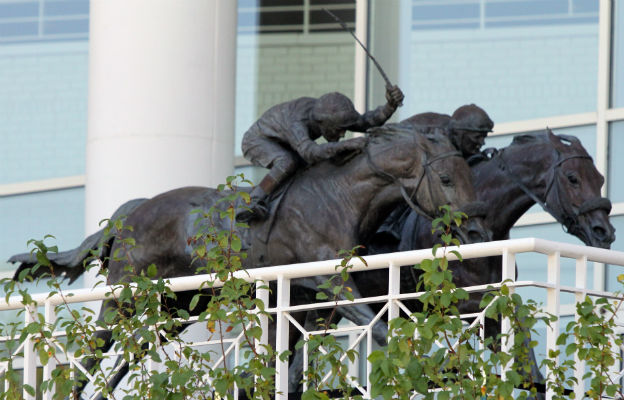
<point>529,63</point>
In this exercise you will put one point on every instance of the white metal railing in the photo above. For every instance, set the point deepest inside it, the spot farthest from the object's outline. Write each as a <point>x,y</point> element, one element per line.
<point>283,275</point>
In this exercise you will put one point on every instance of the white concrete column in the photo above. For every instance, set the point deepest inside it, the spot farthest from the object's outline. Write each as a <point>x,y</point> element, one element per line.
<point>161,99</point>
<point>389,40</point>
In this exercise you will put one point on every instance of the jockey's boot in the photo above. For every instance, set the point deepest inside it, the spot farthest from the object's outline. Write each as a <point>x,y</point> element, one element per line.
<point>257,210</point>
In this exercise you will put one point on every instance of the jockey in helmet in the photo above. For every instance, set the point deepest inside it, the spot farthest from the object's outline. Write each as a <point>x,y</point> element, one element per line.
<point>283,138</point>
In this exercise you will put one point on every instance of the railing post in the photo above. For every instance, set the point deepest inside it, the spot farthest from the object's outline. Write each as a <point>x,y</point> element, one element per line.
<point>553,307</point>
<point>306,10</point>
<point>581,283</point>
<point>50,318</point>
<point>393,290</point>
<point>30,357</point>
<point>282,337</point>
<point>508,272</point>
<point>262,294</point>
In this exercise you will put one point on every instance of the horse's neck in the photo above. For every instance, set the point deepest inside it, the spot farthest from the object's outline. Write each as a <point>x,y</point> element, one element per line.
<point>506,201</point>
<point>357,195</point>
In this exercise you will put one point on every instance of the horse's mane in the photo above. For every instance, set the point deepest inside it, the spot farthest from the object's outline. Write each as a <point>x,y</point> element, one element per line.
<point>565,141</point>
<point>387,135</point>
<point>529,138</point>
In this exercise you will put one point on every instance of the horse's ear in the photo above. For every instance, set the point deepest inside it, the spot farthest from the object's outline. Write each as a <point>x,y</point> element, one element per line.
<point>573,141</point>
<point>554,139</point>
<point>565,141</point>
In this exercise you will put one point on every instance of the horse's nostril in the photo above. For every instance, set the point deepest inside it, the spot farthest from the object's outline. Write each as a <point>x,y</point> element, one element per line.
<point>599,232</point>
<point>476,236</point>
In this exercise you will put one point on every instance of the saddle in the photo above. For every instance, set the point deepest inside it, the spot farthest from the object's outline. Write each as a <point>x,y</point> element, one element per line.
<point>259,231</point>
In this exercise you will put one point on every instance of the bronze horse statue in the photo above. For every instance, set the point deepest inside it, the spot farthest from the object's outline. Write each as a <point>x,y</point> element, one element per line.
<point>326,208</point>
<point>554,171</point>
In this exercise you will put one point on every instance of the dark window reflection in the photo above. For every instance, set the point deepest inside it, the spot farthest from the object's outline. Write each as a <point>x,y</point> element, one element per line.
<point>294,16</point>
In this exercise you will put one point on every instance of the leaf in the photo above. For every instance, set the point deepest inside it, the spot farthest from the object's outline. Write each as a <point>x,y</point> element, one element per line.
<point>571,348</point>
<point>437,278</point>
<point>236,244</point>
<point>194,301</point>
<point>43,356</point>
<point>321,296</point>
<point>29,389</point>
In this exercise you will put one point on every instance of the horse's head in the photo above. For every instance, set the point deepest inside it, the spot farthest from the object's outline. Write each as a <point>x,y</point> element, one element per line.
<point>573,193</point>
<point>430,172</point>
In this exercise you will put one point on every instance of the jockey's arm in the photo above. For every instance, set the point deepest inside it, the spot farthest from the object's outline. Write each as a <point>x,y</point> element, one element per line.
<point>313,152</point>
<point>380,115</point>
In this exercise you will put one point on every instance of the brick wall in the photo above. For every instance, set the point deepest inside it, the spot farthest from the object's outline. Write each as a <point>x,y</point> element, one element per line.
<point>277,68</point>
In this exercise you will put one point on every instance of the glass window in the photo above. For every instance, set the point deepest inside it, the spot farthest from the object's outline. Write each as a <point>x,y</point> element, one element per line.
<point>32,216</point>
<point>615,162</point>
<point>19,9</point>
<point>9,30</point>
<point>43,112</point>
<point>274,67</point>
<point>66,8</point>
<point>43,20</point>
<point>518,60</point>
<point>66,26</point>
<point>617,54</point>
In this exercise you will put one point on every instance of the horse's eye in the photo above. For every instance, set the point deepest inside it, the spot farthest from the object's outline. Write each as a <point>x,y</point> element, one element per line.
<point>446,180</point>
<point>572,179</point>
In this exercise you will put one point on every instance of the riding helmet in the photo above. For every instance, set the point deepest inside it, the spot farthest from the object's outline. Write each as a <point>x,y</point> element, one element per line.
<point>471,118</point>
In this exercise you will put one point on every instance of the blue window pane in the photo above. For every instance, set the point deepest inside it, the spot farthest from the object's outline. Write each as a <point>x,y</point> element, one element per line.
<point>454,26</point>
<point>11,29</point>
<point>67,26</point>
<point>246,19</point>
<point>514,72</point>
<point>43,113</point>
<point>32,216</point>
<point>56,8</point>
<point>456,11</point>
<point>19,10</point>
<point>542,21</point>
<point>615,162</point>
<point>580,6</point>
<point>617,55</point>
<point>521,8</point>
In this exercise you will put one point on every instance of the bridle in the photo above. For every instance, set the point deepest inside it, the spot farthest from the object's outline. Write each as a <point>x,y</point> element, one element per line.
<point>426,164</point>
<point>566,214</point>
